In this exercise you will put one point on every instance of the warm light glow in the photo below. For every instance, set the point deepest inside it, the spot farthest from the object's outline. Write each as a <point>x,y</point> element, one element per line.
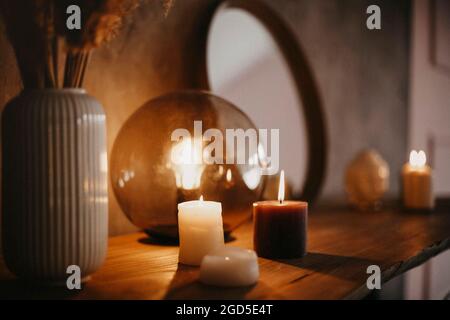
<point>229,176</point>
<point>252,173</point>
<point>189,178</point>
<point>281,187</point>
<point>187,164</point>
<point>417,159</point>
<point>252,177</point>
<point>201,198</point>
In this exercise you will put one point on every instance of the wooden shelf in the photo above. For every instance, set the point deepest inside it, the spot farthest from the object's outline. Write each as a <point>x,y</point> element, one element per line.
<point>342,244</point>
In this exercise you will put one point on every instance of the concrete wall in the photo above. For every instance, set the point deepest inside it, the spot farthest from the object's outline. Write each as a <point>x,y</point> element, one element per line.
<point>362,75</point>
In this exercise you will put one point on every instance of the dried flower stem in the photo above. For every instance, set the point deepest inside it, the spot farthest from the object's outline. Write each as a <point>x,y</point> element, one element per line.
<point>35,28</point>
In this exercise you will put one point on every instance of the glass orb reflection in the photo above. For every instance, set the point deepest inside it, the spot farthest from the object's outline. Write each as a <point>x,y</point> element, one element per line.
<point>151,173</point>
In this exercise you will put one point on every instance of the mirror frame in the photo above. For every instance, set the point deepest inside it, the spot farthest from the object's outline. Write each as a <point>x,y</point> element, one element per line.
<point>307,90</point>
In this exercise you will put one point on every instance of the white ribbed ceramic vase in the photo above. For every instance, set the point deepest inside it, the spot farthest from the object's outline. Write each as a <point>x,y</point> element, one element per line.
<point>54,184</point>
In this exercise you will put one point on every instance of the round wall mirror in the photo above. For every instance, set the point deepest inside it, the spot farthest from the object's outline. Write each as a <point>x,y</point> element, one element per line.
<point>253,60</point>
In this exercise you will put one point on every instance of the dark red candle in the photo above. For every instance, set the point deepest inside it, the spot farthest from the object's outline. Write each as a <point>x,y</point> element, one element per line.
<point>280,227</point>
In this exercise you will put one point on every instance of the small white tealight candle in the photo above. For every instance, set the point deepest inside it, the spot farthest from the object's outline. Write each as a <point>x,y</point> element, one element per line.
<point>200,230</point>
<point>230,267</point>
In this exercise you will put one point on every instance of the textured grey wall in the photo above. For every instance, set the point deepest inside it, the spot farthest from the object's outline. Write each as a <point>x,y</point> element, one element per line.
<point>362,74</point>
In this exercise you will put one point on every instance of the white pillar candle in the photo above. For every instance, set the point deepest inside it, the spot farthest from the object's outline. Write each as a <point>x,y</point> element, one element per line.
<point>200,230</point>
<point>230,267</point>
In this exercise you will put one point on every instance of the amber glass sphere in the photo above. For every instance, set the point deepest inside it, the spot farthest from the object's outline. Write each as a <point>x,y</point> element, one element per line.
<point>149,184</point>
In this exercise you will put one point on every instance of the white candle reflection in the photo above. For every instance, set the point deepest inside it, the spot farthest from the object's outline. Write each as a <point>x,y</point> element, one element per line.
<point>187,164</point>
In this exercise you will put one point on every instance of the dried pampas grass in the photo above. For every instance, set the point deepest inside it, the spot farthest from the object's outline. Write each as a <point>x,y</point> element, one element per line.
<point>100,20</point>
<point>167,5</point>
<point>37,30</point>
<point>28,29</point>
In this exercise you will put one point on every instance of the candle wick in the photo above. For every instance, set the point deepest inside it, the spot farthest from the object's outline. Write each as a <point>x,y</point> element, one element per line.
<point>281,201</point>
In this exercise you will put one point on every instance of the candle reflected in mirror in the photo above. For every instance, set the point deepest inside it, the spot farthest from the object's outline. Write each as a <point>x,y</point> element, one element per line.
<point>229,176</point>
<point>229,181</point>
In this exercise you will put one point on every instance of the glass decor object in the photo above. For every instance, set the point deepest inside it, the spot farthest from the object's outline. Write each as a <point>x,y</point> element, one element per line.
<point>151,172</point>
<point>367,180</point>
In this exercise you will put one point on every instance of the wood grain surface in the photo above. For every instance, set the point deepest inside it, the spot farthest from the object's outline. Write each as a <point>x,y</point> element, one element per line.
<point>342,244</point>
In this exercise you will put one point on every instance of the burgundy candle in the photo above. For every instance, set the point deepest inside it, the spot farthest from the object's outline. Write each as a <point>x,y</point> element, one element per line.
<point>280,227</point>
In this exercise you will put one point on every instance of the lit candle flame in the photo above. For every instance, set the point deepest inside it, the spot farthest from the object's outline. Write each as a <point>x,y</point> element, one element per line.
<point>417,159</point>
<point>201,198</point>
<point>281,188</point>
